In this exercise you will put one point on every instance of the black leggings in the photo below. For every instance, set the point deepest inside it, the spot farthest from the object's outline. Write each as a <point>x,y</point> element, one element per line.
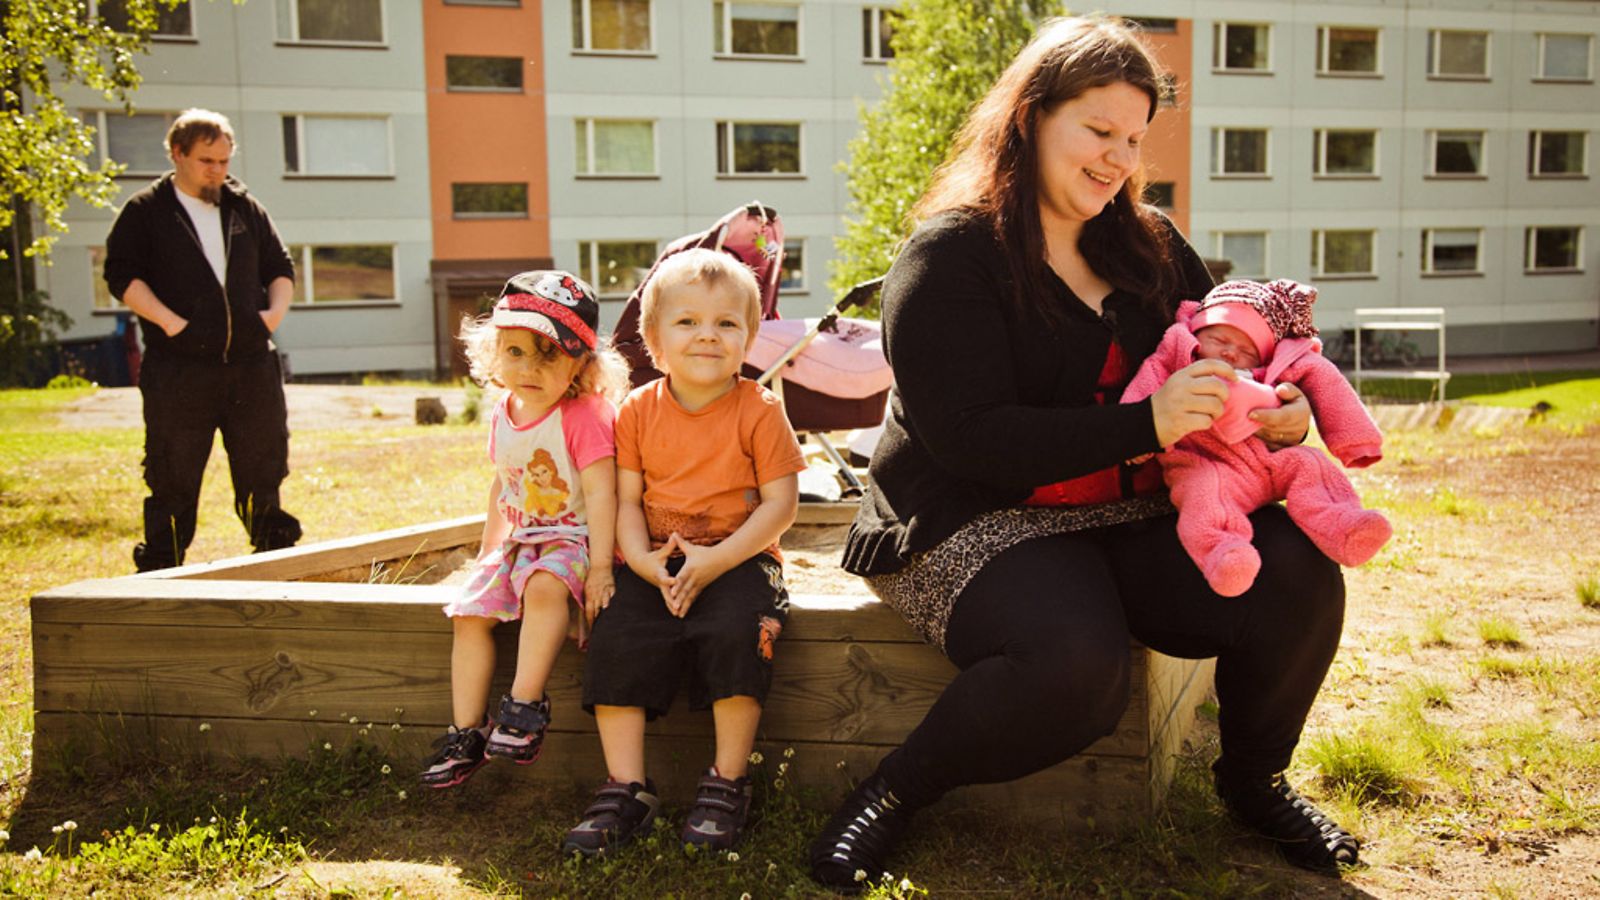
<point>1041,638</point>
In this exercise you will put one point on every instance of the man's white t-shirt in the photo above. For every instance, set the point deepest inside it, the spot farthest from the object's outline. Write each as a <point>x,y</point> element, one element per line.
<point>207,220</point>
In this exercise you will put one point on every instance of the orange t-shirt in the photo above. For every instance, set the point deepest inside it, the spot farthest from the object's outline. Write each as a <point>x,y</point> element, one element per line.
<point>703,469</point>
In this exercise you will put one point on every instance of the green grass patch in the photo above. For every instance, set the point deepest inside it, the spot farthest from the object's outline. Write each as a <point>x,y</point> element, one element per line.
<point>1436,629</point>
<point>1587,588</point>
<point>1573,396</point>
<point>1371,769</point>
<point>1499,632</point>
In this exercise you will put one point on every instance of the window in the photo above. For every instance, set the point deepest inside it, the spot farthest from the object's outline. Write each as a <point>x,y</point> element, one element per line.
<point>1456,154</point>
<point>1150,25</point>
<point>793,276</point>
<point>1347,51</point>
<point>97,271</point>
<point>1160,194</point>
<point>1558,154</point>
<point>877,26</point>
<point>1450,250</point>
<point>1238,151</point>
<point>615,268</point>
<point>758,148</point>
<point>489,200</point>
<point>331,21</point>
<point>336,146</point>
<point>616,148</point>
<point>1338,153</point>
<point>343,274</point>
<point>138,142</point>
<point>177,22</point>
<point>1458,54</point>
<point>1247,250</point>
<point>1564,57</point>
<point>1239,47</point>
<point>611,26</point>
<point>483,73</point>
<point>1554,249</point>
<point>1346,253</point>
<point>756,29</point>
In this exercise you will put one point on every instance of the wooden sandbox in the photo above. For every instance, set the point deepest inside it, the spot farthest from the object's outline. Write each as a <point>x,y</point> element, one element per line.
<point>277,653</point>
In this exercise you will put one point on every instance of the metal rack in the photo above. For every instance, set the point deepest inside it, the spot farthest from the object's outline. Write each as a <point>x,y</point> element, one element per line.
<point>1402,318</point>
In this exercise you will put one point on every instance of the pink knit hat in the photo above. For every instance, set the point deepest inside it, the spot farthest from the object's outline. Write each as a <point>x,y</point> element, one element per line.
<point>1267,313</point>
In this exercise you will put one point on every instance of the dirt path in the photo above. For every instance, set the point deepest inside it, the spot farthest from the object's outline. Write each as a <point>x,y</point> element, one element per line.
<point>311,406</point>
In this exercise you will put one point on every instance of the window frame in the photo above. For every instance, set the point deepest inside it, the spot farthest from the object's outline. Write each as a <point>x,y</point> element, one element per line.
<point>1539,60</point>
<point>1219,44</point>
<point>300,150</point>
<point>1428,270</point>
<point>789,243</point>
<point>1535,141</point>
<point>872,22</point>
<point>1219,243</point>
<point>522,84</point>
<point>1319,155</point>
<point>158,36</point>
<point>1319,254</point>
<point>1433,155</point>
<point>489,215</point>
<point>1435,55</point>
<point>729,127</point>
<point>585,126</point>
<point>1219,138</point>
<point>588,48</point>
<point>102,139</point>
<point>305,278</point>
<point>295,40</point>
<point>1325,52</point>
<point>727,52</point>
<point>588,268</point>
<point>1530,247</point>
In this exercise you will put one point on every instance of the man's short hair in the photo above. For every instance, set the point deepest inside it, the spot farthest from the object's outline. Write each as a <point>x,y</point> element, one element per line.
<point>197,126</point>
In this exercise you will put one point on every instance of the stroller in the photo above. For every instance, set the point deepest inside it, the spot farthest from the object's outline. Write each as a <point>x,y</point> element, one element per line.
<point>830,372</point>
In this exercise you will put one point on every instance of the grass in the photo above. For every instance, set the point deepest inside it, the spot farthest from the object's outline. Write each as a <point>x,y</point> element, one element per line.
<point>1498,632</point>
<point>1573,396</point>
<point>1587,588</point>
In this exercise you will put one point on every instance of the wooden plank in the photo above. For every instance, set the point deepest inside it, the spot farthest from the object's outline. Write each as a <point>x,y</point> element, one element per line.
<point>827,513</point>
<point>1167,742</point>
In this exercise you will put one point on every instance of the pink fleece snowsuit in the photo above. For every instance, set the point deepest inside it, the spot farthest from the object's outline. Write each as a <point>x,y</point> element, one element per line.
<point>1216,485</point>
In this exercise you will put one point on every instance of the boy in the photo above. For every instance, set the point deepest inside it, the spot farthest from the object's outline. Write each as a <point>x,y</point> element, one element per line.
<point>706,484</point>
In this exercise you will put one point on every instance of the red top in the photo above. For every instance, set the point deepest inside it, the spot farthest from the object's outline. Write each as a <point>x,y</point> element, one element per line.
<point>1106,484</point>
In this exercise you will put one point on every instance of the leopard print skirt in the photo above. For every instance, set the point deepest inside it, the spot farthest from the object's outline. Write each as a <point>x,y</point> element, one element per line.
<point>925,591</point>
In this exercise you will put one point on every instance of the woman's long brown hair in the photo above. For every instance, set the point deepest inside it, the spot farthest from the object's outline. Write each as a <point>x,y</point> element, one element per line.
<point>993,167</point>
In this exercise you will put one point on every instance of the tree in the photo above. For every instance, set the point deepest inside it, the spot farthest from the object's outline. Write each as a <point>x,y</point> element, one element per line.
<point>946,55</point>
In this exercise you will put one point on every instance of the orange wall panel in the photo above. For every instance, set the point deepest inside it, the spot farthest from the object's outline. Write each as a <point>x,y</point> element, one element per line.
<point>1166,150</point>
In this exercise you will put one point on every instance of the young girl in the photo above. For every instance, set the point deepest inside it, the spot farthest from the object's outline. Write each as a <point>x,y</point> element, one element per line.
<point>550,432</point>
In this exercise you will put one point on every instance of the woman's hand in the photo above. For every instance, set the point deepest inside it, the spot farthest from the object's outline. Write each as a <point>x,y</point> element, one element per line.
<point>1191,399</point>
<point>1287,425</point>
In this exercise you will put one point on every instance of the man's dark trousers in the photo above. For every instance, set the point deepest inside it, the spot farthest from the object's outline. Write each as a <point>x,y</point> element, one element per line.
<point>185,402</point>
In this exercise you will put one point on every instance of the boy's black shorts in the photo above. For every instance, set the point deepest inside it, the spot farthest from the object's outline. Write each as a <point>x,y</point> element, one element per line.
<point>638,650</point>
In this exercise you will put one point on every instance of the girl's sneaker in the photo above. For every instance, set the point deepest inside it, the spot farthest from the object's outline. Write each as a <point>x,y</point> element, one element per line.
<point>721,808</point>
<point>519,730</point>
<point>620,812</point>
<point>460,753</point>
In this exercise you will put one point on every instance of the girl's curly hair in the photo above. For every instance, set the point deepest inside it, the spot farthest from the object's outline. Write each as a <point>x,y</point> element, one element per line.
<point>603,372</point>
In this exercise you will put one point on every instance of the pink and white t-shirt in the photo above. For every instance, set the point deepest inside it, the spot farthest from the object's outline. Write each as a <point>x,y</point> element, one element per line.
<point>538,463</point>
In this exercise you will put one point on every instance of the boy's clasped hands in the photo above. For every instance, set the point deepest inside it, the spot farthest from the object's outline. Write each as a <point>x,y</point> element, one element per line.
<point>701,566</point>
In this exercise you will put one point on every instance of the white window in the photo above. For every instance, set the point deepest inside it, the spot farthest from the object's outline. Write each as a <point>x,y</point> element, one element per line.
<point>877,26</point>
<point>1451,250</point>
<point>1342,153</point>
<point>1457,154</point>
<point>1349,253</point>
<point>1458,54</point>
<point>1241,47</point>
<point>756,29</point>
<point>1554,248</point>
<point>1565,57</point>
<point>331,21</point>
<point>343,273</point>
<point>490,74</point>
<point>615,268</point>
<point>1347,51</point>
<point>338,146</point>
<point>138,142</point>
<point>97,271</point>
<point>1239,151</point>
<point>489,200</point>
<point>174,23</point>
<point>1558,154</point>
<point>615,147</point>
<point>758,148</point>
<point>611,26</point>
<point>793,276</point>
<point>1247,250</point>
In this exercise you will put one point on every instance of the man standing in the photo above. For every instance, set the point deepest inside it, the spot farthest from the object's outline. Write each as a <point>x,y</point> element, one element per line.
<point>199,261</point>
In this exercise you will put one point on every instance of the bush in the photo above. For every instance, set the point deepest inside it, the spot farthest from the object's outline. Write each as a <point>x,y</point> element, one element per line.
<point>28,330</point>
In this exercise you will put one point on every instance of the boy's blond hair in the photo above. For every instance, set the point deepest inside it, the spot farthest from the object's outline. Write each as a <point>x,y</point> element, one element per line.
<point>708,269</point>
<point>603,372</point>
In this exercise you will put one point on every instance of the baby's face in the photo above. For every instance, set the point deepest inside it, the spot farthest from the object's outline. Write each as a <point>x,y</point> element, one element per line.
<point>1228,344</point>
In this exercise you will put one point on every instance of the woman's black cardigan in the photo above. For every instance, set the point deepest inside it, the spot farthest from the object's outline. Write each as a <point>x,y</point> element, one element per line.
<point>988,404</point>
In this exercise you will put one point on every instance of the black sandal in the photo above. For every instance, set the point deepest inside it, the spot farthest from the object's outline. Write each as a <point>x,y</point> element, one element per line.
<point>1303,834</point>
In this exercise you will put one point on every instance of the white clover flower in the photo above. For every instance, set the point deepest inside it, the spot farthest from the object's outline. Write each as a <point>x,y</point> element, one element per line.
<point>385,770</point>
<point>756,757</point>
<point>401,795</point>
<point>155,827</point>
<point>839,765</point>
<point>33,855</point>
<point>4,835</point>
<point>312,713</point>
<point>205,726</point>
<point>55,829</point>
<point>395,727</point>
<point>213,820</point>
<point>788,753</point>
<point>733,856</point>
<point>327,745</point>
<point>362,732</point>
<point>354,720</point>
<point>905,884</point>
<point>69,825</point>
<point>399,711</point>
<point>861,875</point>
<point>777,784</point>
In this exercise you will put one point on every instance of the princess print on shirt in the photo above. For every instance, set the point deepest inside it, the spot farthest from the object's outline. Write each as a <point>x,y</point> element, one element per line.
<point>545,490</point>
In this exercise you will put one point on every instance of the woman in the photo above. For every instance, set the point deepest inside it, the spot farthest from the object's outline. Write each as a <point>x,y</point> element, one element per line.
<point>1003,522</point>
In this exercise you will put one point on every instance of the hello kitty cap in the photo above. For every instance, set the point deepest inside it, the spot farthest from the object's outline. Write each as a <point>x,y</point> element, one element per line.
<point>553,303</point>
